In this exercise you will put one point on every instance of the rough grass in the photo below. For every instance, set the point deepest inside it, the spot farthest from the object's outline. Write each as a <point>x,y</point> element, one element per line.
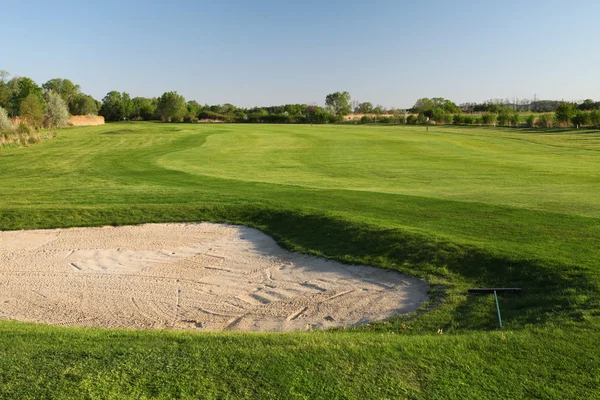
<point>460,206</point>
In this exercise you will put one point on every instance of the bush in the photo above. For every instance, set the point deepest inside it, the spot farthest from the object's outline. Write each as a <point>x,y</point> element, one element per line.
<point>581,118</point>
<point>488,119</point>
<point>5,124</point>
<point>57,112</point>
<point>23,128</point>
<point>515,120</point>
<point>530,121</point>
<point>411,120</point>
<point>595,118</point>
<point>458,119</point>
<point>365,119</point>
<point>468,120</point>
<point>503,118</point>
<point>32,109</point>
<point>385,120</point>
<point>544,121</point>
<point>422,119</point>
<point>400,119</point>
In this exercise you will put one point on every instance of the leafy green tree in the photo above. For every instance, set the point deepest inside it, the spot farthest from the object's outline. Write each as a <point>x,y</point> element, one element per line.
<point>82,104</point>
<point>57,112</point>
<point>589,105</point>
<point>143,108</point>
<point>193,107</point>
<point>126,105</point>
<point>339,102</point>
<point>422,105</point>
<point>31,110</point>
<point>116,106</point>
<point>171,107</point>
<point>23,88</point>
<point>64,88</point>
<point>111,108</point>
<point>364,108</point>
<point>565,112</point>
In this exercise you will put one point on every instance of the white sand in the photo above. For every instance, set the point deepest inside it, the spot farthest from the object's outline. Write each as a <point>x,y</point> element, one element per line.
<point>188,276</point>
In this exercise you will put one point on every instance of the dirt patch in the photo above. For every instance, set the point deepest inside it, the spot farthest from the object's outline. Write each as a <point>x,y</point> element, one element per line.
<point>188,276</point>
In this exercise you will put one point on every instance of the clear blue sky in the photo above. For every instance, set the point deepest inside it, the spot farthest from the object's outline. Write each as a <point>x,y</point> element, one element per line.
<point>267,52</point>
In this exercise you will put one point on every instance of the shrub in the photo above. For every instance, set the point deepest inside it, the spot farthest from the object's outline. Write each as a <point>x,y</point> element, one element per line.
<point>32,110</point>
<point>595,118</point>
<point>515,120</point>
<point>468,120</point>
<point>400,119</point>
<point>422,119</point>
<point>503,118</point>
<point>57,112</point>
<point>458,119</point>
<point>530,121</point>
<point>565,112</point>
<point>385,120</point>
<point>365,119</point>
<point>581,118</point>
<point>544,121</point>
<point>488,119</point>
<point>411,120</point>
<point>440,116</point>
<point>23,128</point>
<point>5,124</point>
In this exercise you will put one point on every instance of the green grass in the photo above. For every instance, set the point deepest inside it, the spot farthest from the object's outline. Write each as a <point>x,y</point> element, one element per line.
<point>460,206</point>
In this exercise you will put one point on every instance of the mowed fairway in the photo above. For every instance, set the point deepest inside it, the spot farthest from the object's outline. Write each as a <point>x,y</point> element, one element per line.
<point>462,207</point>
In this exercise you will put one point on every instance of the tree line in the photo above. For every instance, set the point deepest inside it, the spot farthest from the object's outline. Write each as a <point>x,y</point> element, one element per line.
<point>51,103</point>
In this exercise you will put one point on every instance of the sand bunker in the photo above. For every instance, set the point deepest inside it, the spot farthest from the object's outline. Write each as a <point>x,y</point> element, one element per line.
<point>188,276</point>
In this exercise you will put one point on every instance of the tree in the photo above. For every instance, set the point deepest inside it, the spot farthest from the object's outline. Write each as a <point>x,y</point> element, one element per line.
<point>57,113</point>
<point>171,107</point>
<point>23,88</point>
<point>364,108</point>
<point>82,104</point>
<point>339,103</point>
<point>126,105</point>
<point>64,88</point>
<point>116,106</point>
<point>32,110</point>
<point>565,112</point>
<point>143,108</point>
